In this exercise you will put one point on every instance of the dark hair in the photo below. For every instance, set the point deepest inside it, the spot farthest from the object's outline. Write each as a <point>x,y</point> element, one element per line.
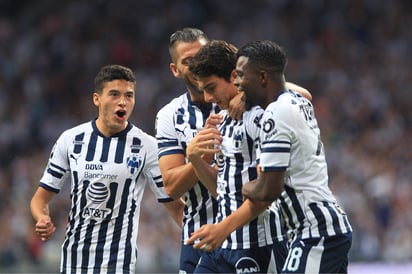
<point>215,58</point>
<point>113,72</point>
<point>265,54</point>
<point>186,35</point>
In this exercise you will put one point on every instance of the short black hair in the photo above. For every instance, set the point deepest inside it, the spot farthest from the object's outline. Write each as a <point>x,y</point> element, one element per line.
<point>265,54</point>
<point>215,58</point>
<point>185,35</point>
<point>113,72</point>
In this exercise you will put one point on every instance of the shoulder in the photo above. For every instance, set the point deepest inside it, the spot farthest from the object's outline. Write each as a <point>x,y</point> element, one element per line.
<point>174,104</point>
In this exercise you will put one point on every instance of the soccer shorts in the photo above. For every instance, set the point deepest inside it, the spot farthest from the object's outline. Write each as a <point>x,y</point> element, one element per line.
<point>189,258</point>
<point>319,255</point>
<point>253,260</point>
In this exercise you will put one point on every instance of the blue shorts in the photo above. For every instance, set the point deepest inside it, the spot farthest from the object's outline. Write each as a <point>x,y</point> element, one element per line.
<point>253,260</point>
<point>189,257</point>
<point>319,255</point>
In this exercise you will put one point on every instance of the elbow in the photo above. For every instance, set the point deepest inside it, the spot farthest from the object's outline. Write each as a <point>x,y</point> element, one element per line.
<point>171,191</point>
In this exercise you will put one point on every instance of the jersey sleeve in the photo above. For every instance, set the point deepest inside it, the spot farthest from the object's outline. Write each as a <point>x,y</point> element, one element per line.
<point>57,169</point>
<point>276,137</point>
<point>166,137</point>
<point>152,172</point>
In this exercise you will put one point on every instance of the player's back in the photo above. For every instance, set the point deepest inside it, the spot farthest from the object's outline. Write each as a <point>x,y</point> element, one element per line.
<point>291,138</point>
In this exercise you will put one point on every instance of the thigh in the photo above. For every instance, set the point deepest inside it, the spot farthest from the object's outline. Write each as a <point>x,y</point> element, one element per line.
<point>189,258</point>
<point>253,260</point>
<point>318,255</point>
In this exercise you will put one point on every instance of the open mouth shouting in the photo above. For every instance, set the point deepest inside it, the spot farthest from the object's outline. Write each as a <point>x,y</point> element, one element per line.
<point>121,114</point>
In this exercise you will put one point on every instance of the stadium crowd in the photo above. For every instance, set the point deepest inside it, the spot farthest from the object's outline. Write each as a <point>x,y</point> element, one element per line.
<point>352,55</point>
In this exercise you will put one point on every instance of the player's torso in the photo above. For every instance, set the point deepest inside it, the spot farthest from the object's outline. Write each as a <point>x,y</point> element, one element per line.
<point>104,172</point>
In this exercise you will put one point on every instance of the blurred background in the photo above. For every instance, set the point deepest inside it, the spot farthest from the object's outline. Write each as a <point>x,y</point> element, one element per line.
<point>354,56</point>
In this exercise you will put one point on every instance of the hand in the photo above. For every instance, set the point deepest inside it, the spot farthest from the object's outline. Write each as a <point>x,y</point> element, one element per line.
<point>213,120</point>
<point>237,106</point>
<point>205,143</point>
<point>210,236</point>
<point>45,228</point>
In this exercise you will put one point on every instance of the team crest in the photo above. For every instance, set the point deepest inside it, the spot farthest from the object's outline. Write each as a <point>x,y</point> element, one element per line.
<point>133,163</point>
<point>238,139</point>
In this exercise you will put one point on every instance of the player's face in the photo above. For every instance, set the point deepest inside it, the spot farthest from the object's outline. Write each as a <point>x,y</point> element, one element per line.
<point>180,68</point>
<point>115,104</point>
<point>217,90</point>
<point>248,80</point>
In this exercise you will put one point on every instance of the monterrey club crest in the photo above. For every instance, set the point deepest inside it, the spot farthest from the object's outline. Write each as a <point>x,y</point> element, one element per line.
<point>133,163</point>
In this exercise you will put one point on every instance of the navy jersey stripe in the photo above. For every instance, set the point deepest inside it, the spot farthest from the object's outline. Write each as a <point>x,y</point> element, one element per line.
<point>192,117</point>
<point>114,248</point>
<point>78,143</point>
<point>320,218</point>
<point>91,148</point>
<point>335,218</point>
<point>105,150</point>
<point>295,203</point>
<point>86,244</point>
<point>276,149</point>
<point>47,187</point>
<point>121,143</point>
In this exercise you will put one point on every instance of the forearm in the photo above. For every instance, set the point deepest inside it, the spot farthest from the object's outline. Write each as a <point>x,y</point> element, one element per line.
<point>207,174</point>
<point>179,180</point>
<point>39,208</point>
<point>247,212</point>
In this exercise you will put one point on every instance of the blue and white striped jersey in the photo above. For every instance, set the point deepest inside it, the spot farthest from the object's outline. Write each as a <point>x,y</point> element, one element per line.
<point>237,165</point>
<point>176,125</point>
<point>108,178</point>
<point>291,142</point>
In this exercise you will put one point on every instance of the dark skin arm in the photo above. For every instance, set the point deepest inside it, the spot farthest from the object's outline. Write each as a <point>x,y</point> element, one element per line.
<point>268,187</point>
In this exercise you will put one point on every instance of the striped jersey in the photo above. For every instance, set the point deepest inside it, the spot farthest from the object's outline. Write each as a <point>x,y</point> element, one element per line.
<point>291,142</point>
<point>237,165</point>
<point>108,177</point>
<point>176,125</point>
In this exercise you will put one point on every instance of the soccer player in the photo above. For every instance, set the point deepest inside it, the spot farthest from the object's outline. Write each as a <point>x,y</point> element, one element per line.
<point>293,167</point>
<point>109,161</point>
<point>177,124</point>
<point>249,248</point>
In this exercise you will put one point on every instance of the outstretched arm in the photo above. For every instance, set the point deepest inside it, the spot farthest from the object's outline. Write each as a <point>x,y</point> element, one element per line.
<point>211,236</point>
<point>39,207</point>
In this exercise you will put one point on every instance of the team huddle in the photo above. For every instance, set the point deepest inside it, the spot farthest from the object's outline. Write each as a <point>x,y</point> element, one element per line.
<point>237,161</point>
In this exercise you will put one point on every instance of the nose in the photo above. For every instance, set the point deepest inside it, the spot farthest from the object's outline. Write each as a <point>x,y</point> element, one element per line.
<point>208,98</point>
<point>122,101</point>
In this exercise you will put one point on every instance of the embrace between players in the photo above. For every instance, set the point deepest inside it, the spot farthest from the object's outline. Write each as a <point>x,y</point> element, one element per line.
<point>243,149</point>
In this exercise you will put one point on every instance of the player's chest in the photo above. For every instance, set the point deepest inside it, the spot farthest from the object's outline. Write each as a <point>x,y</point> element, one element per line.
<point>107,158</point>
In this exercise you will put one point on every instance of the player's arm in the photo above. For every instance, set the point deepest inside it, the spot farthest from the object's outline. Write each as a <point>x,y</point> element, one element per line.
<point>175,210</point>
<point>211,236</point>
<point>39,207</point>
<point>296,88</point>
<point>266,188</point>
<point>200,153</point>
<point>178,176</point>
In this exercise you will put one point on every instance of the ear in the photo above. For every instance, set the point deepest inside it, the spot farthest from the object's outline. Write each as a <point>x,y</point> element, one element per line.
<point>233,76</point>
<point>174,70</point>
<point>263,77</point>
<point>96,99</point>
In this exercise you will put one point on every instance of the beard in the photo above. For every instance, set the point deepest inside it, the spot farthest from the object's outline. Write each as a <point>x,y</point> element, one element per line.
<point>192,86</point>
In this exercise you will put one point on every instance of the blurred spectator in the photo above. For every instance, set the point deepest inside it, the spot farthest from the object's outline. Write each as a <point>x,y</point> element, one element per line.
<point>352,55</point>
